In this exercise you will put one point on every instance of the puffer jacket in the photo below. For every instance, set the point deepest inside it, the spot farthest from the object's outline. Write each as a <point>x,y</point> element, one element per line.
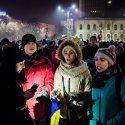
<point>106,106</point>
<point>40,72</point>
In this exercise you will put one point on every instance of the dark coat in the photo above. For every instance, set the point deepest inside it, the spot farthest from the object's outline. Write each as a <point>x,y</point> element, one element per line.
<point>12,106</point>
<point>89,51</point>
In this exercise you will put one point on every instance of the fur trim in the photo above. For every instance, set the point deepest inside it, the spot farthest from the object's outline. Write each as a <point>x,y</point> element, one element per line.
<point>74,45</point>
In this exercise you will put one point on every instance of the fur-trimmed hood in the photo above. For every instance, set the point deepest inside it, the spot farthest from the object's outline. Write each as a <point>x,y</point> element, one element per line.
<point>73,45</point>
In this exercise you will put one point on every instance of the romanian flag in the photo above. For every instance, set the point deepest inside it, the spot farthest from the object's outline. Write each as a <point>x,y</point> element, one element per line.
<point>55,113</point>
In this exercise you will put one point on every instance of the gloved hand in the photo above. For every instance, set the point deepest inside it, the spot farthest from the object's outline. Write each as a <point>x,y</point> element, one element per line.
<point>54,94</point>
<point>75,96</point>
<point>43,96</point>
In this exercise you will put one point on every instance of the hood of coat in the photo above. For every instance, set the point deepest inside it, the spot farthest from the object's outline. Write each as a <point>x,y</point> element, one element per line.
<point>74,45</point>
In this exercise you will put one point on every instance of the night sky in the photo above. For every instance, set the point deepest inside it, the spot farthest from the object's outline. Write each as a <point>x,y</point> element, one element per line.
<point>44,10</point>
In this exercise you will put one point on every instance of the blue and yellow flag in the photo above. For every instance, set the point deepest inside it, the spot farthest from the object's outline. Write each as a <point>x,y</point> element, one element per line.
<point>55,113</point>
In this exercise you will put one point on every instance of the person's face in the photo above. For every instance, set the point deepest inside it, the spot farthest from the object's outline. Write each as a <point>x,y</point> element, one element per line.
<point>30,48</point>
<point>101,64</point>
<point>69,56</point>
<point>93,42</point>
<point>20,66</point>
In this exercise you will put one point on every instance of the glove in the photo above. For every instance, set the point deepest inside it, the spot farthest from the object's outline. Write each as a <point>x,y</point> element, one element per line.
<point>54,94</point>
<point>43,96</point>
<point>75,96</point>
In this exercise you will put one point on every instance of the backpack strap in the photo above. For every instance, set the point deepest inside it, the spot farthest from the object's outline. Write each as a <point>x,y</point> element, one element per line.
<point>118,87</point>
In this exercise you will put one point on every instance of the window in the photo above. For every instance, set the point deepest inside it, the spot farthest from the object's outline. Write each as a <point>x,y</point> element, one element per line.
<point>80,36</point>
<point>121,27</point>
<point>80,27</point>
<point>115,27</point>
<point>88,27</point>
<point>108,27</point>
<point>94,27</point>
<point>94,35</point>
<point>121,37</point>
<point>100,25</point>
<point>88,36</point>
<point>115,37</point>
<point>108,37</point>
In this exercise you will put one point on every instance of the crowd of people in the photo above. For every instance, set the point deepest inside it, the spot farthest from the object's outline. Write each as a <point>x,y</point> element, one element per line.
<point>88,82</point>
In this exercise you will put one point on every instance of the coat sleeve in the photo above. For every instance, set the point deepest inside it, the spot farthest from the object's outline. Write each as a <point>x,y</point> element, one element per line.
<point>49,79</point>
<point>56,80</point>
<point>119,118</point>
<point>88,82</point>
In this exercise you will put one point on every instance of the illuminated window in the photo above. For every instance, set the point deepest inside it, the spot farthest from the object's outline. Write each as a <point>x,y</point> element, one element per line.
<point>121,37</point>
<point>108,27</point>
<point>80,27</point>
<point>88,36</point>
<point>81,36</point>
<point>88,27</point>
<point>108,37</point>
<point>94,27</point>
<point>115,27</point>
<point>94,35</point>
<point>100,25</point>
<point>121,27</point>
<point>115,37</point>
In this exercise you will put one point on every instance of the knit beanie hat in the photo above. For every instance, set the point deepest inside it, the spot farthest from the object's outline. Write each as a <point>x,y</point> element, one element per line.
<point>28,38</point>
<point>108,54</point>
<point>13,55</point>
<point>93,38</point>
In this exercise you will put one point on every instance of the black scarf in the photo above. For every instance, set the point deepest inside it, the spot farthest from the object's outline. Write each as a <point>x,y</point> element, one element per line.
<point>30,59</point>
<point>99,78</point>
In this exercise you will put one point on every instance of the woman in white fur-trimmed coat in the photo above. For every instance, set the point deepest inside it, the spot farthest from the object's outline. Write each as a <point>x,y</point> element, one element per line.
<point>73,81</point>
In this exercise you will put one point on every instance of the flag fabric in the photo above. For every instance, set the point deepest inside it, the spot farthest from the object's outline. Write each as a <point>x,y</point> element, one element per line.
<point>55,112</point>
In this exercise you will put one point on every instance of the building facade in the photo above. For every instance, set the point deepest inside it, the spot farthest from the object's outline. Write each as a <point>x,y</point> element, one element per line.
<point>105,29</point>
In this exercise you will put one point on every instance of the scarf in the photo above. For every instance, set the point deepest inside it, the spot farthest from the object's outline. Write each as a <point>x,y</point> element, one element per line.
<point>99,78</point>
<point>30,59</point>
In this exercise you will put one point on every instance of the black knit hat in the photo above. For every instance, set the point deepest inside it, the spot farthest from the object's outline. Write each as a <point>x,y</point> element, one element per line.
<point>93,38</point>
<point>28,38</point>
<point>13,55</point>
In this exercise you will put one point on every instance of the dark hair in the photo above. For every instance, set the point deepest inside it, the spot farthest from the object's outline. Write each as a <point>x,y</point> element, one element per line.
<point>11,56</point>
<point>93,38</point>
<point>8,72</point>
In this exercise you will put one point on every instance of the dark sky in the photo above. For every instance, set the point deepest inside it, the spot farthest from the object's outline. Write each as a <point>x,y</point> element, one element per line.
<point>44,10</point>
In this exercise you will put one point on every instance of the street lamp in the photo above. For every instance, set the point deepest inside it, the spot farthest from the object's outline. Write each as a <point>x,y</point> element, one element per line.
<point>68,23</point>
